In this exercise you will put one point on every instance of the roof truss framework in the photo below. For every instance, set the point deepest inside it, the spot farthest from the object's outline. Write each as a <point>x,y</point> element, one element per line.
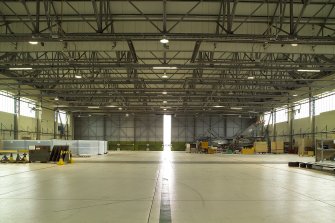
<point>206,45</point>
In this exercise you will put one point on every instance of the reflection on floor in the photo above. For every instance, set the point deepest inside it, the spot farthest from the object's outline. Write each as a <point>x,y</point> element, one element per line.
<point>167,187</point>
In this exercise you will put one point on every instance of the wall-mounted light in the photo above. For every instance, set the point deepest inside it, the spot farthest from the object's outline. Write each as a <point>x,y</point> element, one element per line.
<point>20,68</point>
<point>309,70</point>
<point>164,68</point>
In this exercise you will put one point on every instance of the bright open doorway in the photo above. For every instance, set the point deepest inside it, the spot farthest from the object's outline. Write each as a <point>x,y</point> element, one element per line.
<point>167,132</point>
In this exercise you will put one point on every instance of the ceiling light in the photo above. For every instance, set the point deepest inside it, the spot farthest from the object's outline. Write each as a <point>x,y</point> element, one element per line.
<point>111,106</point>
<point>33,42</point>
<point>56,98</point>
<point>164,68</point>
<point>78,76</point>
<point>218,106</point>
<point>93,107</point>
<point>120,108</point>
<point>295,95</point>
<point>230,93</point>
<point>294,44</point>
<point>164,102</point>
<point>164,40</point>
<point>308,70</point>
<point>127,115</point>
<point>236,108</point>
<point>89,115</point>
<point>164,76</point>
<point>251,78</point>
<point>164,92</point>
<point>20,68</point>
<point>164,109</point>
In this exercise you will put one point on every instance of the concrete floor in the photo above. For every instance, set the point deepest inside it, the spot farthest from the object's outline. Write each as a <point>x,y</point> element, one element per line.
<point>138,187</point>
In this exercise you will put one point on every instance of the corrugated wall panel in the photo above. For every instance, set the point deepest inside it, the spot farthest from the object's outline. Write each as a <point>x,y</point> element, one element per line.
<point>150,128</point>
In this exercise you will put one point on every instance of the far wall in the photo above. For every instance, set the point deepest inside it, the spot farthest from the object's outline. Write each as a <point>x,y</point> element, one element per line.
<point>149,128</point>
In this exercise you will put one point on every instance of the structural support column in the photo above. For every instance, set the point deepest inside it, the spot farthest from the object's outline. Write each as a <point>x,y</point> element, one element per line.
<point>134,131</point>
<point>274,127</point>
<point>67,126</point>
<point>290,121</point>
<point>194,128</point>
<point>39,119</point>
<point>16,116</point>
<point>312,119</point>
<point>225,127</point>
<point>56,124</point>
<point>104,128</point>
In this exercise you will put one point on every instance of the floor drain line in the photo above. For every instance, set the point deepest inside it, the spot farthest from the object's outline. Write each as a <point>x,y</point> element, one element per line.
<point>165,208</point>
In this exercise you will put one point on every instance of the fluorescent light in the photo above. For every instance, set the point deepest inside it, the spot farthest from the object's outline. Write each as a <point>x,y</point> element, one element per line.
<point>307,70</point>
<point>164,92</point>
<point>164,109</point>
<point>164,102</point>
<point>164,68</point>
<point>164,40</point>
<point>111,106</point>
<point>120,108</point>
<point>251,78</point>
<point>218,106</point>
<point>77,76</point>
<point>295,95</point>
<point>56,98</point>
<point>33,42</point>
<point>20,68</point>
<point>294,44</point>
<point>93,107</point>
<point>236,108</point>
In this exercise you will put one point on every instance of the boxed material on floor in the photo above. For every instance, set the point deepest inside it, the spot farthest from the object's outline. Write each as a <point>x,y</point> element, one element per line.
<point>277,147</point>
<point>204,145</point>
<point>248,151</point>
<point>302,144</point>
<point>212,150</point>
<point>261,147</point>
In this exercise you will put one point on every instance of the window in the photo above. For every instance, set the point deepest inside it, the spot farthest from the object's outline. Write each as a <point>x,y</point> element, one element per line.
<point>325,103</point>
<point>268,118</point>
<point>301,109</point>
<point>62,117</point>
<point>6,102</point>
<point>281,115</point>
<point>27,108</point>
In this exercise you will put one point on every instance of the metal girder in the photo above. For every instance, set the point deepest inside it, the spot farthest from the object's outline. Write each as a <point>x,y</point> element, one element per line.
<point>208,74</point>
<point>132,51</point>
<point>207,37</point>
<point>195,51</point>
